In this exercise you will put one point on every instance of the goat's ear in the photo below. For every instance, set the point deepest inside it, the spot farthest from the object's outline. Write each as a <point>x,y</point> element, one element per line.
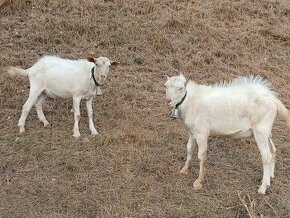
<point>167,77</point>
<point>91,59</point>
<point>182,77</point>
<point>114,63</point>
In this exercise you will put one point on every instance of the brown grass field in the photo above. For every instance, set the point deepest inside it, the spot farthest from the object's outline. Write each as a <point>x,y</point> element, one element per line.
<point>132,168</point>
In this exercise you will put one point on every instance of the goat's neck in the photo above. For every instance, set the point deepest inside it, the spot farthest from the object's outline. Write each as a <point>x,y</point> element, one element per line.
<point>174,103</point>
<point>182,109</point>
<point>93,77</point>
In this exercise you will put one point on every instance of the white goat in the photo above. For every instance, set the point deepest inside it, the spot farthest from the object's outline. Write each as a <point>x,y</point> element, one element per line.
<point>244,107</point>
<point>55,77</point>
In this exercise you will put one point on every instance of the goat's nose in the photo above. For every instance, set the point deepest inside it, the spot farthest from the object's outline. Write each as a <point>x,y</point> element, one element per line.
<point>103,77</point>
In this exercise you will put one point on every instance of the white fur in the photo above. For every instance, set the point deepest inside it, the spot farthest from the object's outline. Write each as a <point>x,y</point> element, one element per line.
<point>242,108</point>
<point>55,77</point>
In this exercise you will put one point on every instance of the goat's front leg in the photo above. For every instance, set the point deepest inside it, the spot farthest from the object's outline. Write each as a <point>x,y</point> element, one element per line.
<point>89,104</point>
<point>190,146</point>
<point>273,151</point>
<point>202,156</point>
<point>76,106</point>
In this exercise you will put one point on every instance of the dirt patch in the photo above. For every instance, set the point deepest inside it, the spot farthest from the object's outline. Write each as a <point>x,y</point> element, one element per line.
<point>132,168</point>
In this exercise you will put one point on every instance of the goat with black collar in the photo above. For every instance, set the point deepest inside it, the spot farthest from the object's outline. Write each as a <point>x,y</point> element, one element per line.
<point>56,77</point>
<point>244,107</point>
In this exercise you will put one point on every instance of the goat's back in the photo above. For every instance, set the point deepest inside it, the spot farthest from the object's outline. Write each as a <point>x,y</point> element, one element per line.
<point>53,64</point>
<point>248,98</point>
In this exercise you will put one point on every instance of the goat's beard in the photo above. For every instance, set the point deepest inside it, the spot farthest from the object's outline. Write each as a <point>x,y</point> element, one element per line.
<point>174,102</point>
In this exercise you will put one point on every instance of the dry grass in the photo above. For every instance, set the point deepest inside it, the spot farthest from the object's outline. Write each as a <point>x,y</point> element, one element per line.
<point>131,169</point>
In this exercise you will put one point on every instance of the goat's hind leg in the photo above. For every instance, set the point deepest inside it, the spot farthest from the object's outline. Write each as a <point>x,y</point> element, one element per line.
<point>273,151</point>
<point>33,96</point>
<point>262,139</point>
<point>38,106</point>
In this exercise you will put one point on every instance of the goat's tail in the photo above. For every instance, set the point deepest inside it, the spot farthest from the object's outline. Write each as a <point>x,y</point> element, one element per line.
<point>14,71</point>
<point>282,110</point>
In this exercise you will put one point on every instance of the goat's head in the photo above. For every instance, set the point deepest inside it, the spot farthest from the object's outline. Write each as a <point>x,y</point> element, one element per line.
<point>103,65</point>
<point>175,89</point>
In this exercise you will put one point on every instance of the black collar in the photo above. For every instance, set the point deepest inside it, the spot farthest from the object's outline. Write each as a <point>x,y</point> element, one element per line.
<point>93,76</point>
<point>182,100</point>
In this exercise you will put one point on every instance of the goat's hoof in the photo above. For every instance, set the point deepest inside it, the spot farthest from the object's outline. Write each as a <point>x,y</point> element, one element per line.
<point>184,171</point>
<point>95,132</point>
<point>262,190</point>
<point>76,135</point>
<point>197,185</point>
<point>21,130</point>
<point>45,123</point>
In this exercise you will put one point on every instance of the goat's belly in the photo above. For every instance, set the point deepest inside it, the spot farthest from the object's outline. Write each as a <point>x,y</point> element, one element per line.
<point>54,94</point>
<point>236,134</point>
<point>242,134</point>
<point>237,129</point>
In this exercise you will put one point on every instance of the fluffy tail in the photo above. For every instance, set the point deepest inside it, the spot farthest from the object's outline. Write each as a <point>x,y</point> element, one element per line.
<point>14,71</point>
<point>282,110</point>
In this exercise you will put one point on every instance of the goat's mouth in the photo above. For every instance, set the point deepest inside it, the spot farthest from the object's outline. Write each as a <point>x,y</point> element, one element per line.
<point>169,101</point>
<point>168,98</point>
<point>100,82</point>
<point>102,79</point>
